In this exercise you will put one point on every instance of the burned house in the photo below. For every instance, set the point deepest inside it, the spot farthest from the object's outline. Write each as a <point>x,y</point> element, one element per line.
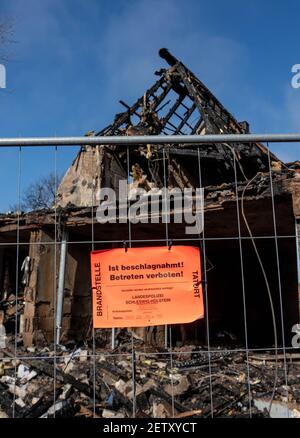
<point>252,206</point>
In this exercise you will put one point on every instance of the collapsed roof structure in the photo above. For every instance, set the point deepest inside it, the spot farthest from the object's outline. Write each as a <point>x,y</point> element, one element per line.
<point>178,103</point>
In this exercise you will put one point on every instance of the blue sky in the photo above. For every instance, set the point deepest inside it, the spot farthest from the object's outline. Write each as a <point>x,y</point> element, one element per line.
<point>72,60</point>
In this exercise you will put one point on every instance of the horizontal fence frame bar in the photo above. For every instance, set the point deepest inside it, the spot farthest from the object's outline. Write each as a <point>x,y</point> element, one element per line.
<point>148,139</point>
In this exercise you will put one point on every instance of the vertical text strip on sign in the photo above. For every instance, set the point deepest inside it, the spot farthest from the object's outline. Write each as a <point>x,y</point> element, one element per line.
<point>146,286</point>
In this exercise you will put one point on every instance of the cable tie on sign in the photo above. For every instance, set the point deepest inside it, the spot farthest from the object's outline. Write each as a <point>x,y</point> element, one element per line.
<point>125,246</point>
<point>170,244</point>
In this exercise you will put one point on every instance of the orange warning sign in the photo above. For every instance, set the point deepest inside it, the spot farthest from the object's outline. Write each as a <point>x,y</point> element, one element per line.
<point>146,286</point>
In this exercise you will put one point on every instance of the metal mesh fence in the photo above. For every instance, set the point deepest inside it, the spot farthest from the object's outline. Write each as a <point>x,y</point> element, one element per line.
<point>129,378</point>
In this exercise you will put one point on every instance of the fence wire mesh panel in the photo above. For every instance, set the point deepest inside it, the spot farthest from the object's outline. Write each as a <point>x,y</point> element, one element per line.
<point>241,360</point>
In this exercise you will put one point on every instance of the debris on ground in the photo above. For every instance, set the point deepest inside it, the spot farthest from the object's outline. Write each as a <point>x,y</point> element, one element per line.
<point>62,381</point>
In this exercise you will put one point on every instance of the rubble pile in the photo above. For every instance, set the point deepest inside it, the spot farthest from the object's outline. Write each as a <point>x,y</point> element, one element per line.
<point>145,382</point>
